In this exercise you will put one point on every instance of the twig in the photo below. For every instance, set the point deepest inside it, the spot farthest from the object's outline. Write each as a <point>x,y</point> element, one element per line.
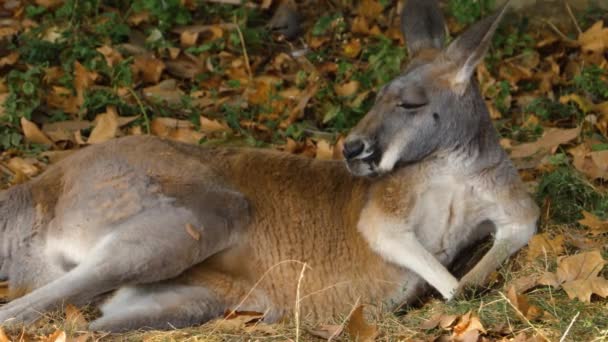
<point>578,28</point>
<point>559,33</point>
<point>245,55</point>
<point>343,324</point>
<point>142,108</point>
<point>524,317</point>
<point>297,306</point>
<point>233,311</point>
<point>563,338</point>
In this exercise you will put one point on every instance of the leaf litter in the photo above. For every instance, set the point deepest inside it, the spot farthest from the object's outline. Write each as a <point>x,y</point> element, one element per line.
<point>197,82</point>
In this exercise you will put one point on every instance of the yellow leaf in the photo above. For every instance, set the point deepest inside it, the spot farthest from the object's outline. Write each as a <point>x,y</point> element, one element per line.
<point>3,337</point>
<point>468,325</point>
<point>75,318</point>
<point>542,244</point>
<point>595,39</point>
<point>347,89</point>
<point>597,226</point>
<point>212,126</point>
<point>551,139</point>
<point>584,288</point>
<point>358,329</point>
<point>106,126</point>
<point>33,134</point>
<point>325,331</point>
<point>352,48</point>
<point>324,150</point>
<point>584,104</point>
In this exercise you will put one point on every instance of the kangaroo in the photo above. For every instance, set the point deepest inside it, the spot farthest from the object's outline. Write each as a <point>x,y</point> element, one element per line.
<point>180,233</point>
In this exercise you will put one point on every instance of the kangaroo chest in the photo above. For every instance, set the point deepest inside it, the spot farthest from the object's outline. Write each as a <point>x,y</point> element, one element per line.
<point>443,214</point>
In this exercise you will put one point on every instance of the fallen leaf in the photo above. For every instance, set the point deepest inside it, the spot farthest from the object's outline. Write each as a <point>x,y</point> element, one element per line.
<point>593,164</point>
<point>149,68</point>
<point>212,126</point>
<point>591,221</point>
<point>75,318</point>
<point>326,331</point>
<point>346,89</point>
<point>595,39</point>
<point>352,48</point>
<point>579,276</point>
<point>64,130</point>
<point>551,139</point>
<point>166,90</point>
<point>324,150</point>
<point>521,303</point>
<point>83,79</point>
<point>523,284</point>
<point>25,166</point>
<point>106,126</point>
<point>57,336</point>
<point>3,337</point>
<point>543,244</point>
<point>583,289</point>
<point>33,134</point>
<point>111,55</point>
<point>468,328</point>
<point>358,329</point>
<point>237,320</point>
<point>193,232</point>
<point>439,320</point>
<point>9,59</point>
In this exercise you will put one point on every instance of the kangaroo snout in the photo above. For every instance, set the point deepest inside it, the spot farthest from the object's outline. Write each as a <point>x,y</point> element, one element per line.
<point>357,148</point>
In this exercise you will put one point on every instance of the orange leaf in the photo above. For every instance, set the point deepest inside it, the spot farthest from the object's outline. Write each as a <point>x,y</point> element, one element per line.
<point>542,244</point>
<point>106,126</point>
<point>358,329</point>
<point>33,134</point>
<point>597,226</point>
<point>325,331</point>
<point>551,139</point>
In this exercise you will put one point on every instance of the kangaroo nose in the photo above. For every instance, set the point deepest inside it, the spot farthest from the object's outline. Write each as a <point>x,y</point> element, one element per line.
<point>353,149</point>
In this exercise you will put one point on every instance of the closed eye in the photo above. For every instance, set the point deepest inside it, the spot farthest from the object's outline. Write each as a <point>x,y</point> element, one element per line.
<point>410,106</point>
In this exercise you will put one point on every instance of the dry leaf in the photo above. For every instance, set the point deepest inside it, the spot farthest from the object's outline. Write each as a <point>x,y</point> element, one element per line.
<point>358,329</point>
<point>75,318</point>
<point>83,79</point>
<point>595,39</point>
<point>193,232</point>
<point>149,68</point>
<point>106,126</point>
<point>111,55</point>
<point>3,337</point>
<point>597,226</point>
<point>326,331</point>
<point>346,89</point>
<point>33,134</point>
<point>235,321</point>
<point>439,320</point>
<point>578,276</point>
<point>25,166</point>
<point>542,244</point>
<point>212,126</point>
<point>551,139</point>
<point>324,150</point>
<point>352,48</point>
<point>583,289</point>
<point>166,90</point>
<point>469,326</point>
<point>64,130</point>
<point>593,164</point>
<point>57,336</point>
<point>520,302</point>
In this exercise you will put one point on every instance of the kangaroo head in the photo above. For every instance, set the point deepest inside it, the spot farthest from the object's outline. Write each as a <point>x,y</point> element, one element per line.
<point>434,105</point>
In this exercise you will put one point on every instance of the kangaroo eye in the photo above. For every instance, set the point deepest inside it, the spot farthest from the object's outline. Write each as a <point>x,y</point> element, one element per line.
<point>410,106</point>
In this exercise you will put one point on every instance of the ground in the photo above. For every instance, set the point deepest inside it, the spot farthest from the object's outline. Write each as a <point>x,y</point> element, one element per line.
<point>79,72</point>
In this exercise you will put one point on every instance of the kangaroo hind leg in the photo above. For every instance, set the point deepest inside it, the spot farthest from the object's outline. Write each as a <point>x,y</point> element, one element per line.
<point>156,244</point>
<point>158,306</point>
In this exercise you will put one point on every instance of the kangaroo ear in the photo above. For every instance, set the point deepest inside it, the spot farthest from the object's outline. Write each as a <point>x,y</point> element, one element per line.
<point>470,48</point>
<point>422,25</point>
